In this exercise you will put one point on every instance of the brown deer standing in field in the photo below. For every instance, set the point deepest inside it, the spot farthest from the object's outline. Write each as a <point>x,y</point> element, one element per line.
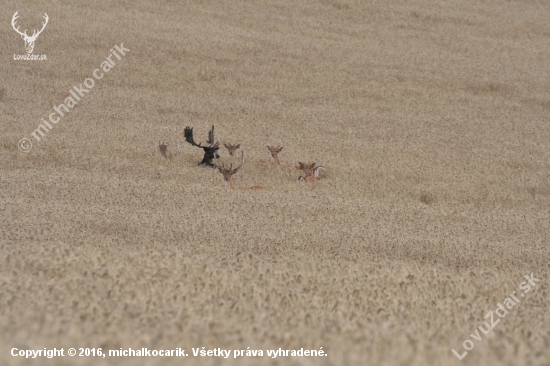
<point>232,148</point>
<point>312,172</point>
<point>210,152</point>
<point>228,173</point>
<point>275,150</point>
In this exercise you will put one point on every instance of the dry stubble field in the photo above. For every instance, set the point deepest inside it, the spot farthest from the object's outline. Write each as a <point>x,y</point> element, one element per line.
<point>432,119</point>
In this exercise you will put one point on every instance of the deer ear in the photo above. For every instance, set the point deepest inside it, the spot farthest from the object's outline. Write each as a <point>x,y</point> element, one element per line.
<point>23,36</point>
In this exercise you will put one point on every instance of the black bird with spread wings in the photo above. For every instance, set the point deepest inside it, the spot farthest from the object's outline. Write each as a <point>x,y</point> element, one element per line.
<point>209,151</point>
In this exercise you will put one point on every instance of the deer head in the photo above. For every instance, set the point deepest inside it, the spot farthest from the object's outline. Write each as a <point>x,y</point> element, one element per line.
<point>275,150</point>
<point>312,172</point>
<point>163,148</point>
<point>228,173</point>
<point>231,148</point>
<point>307,168</point>
<point>29,40</point>
<point>210,151</point>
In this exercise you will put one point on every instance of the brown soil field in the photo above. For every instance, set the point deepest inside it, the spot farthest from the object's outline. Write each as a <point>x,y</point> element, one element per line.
<point>432,119</point>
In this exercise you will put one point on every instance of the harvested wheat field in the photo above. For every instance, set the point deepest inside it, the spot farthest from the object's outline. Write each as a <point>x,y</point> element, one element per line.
<point>431,119</point>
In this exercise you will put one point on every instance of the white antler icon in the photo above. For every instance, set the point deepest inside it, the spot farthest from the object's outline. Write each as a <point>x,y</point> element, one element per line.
<point>29,41</point>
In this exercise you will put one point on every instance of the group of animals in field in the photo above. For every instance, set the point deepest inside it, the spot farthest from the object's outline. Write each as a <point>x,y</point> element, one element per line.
<point>311,170</point>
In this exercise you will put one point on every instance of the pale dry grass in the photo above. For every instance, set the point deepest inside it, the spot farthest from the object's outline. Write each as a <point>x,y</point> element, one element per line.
<point>432,122</point>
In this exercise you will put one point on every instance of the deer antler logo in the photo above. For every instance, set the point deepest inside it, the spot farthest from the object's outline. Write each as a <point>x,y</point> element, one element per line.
<point>29,40</point>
